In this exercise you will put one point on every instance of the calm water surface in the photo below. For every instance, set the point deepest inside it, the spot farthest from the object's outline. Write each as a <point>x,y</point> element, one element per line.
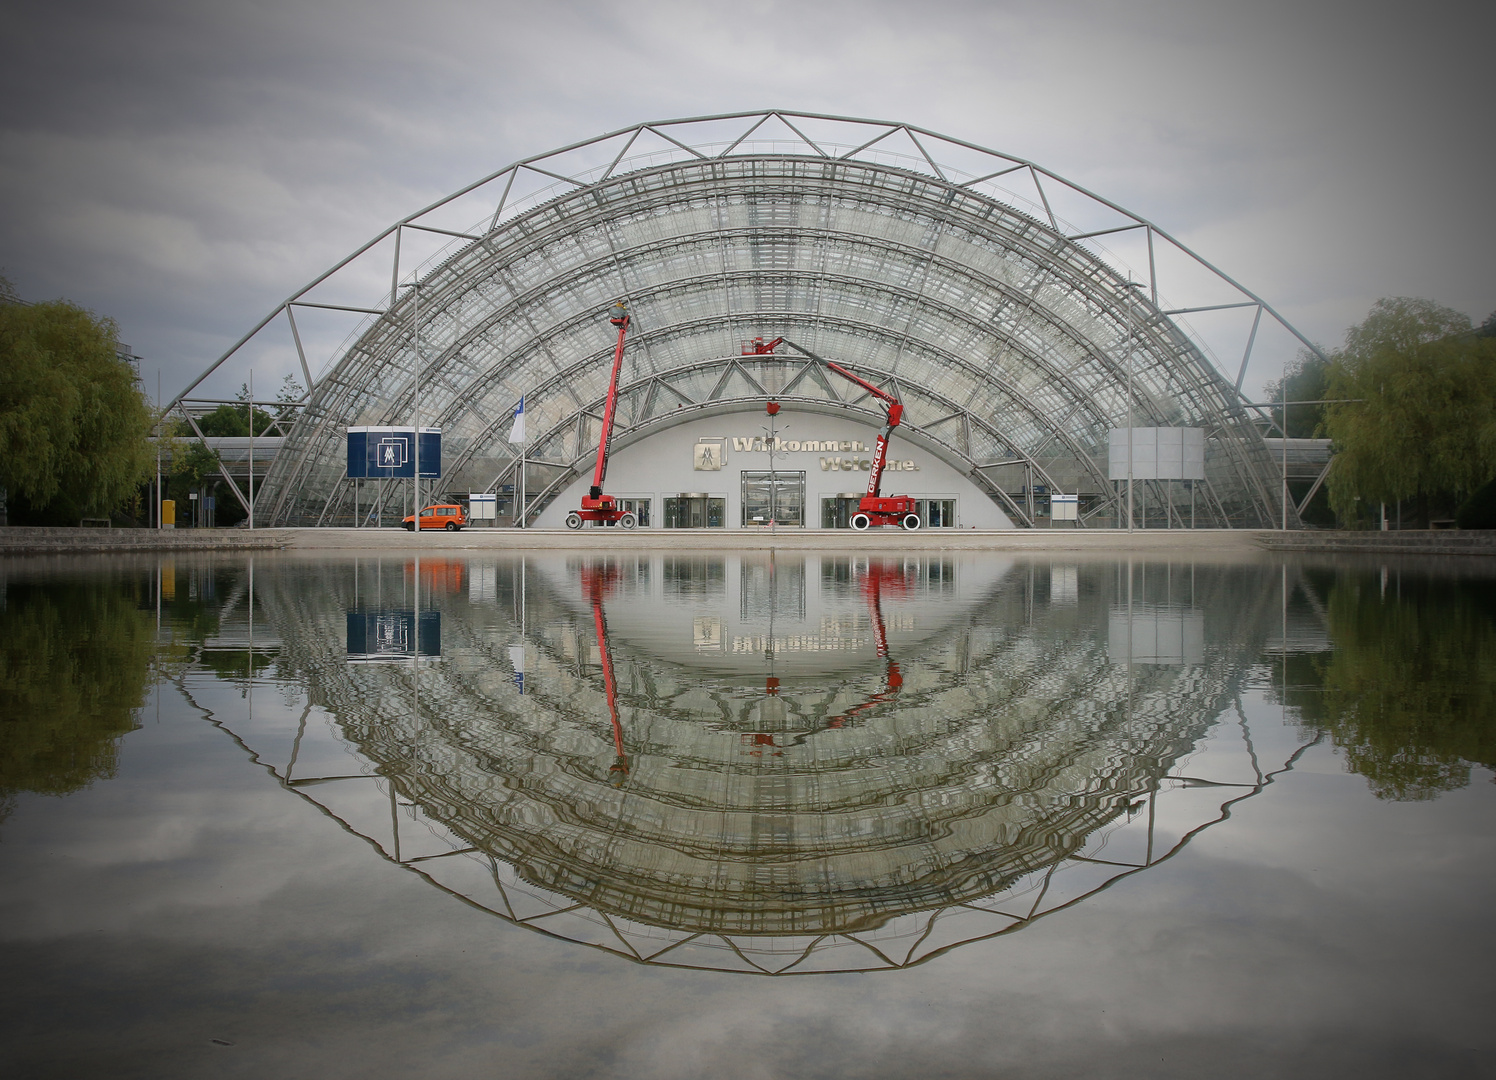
<point>757,815</point>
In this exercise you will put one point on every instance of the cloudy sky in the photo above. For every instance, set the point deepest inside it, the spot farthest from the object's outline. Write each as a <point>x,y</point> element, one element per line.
<point>183,167</point>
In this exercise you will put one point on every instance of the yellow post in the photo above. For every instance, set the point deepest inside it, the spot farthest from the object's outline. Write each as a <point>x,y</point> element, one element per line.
<point>168,513</point>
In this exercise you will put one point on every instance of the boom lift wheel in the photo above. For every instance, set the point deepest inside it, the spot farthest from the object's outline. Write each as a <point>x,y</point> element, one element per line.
<point>573,520</point>
<point>911,522</point>
<point>628,521</point>
<point>860,522</point>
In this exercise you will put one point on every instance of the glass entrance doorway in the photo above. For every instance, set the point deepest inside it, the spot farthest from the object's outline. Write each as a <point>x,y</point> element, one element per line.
<point>776,498</point>
<point>639,508</point>
<point>837,510</point>
<point>695,510</point>
<point>936,513</point>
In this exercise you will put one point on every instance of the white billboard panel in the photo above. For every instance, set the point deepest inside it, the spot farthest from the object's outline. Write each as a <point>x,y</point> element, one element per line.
<point>1157,454</point>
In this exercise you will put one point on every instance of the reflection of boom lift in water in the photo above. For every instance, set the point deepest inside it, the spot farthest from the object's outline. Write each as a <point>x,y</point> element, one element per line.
<point>875,508</point>
<point>596,506</point>
<point>597,581</point>
<point>880,575</point>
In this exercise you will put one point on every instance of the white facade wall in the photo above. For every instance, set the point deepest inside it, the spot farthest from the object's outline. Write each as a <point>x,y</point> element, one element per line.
<point>665,465</point>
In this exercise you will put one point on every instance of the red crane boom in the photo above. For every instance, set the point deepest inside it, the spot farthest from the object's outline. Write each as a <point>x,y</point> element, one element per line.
<point>597,507</point>
<point>875,508</point>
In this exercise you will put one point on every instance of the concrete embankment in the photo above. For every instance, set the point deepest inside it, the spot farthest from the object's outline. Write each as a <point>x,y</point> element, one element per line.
<point>1228,543</point>
<point>23,540</point>
<point>1225,543</point>
<point>1401,542</point>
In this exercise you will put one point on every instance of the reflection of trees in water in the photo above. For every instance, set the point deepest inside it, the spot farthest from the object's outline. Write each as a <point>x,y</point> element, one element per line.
<point>1408,690</point>
<point>75,661</point>
<point>80,645</point>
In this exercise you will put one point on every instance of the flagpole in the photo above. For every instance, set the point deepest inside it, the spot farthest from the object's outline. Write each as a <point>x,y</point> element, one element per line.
<point>517,435</point>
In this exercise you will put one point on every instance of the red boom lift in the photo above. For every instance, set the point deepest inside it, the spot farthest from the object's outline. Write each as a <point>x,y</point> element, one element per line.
<point>875,508</point>
<point>596,506</point>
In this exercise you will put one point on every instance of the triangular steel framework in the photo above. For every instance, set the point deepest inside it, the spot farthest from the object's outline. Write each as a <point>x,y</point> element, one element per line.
<point>1081,336</point>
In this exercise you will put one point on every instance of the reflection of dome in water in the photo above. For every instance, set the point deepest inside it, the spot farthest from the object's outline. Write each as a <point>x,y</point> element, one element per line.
<point>837,810</point>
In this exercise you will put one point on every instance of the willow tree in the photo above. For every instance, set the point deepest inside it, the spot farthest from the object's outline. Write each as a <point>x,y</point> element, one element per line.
<point>74,427</point>
<point>1420,417</point>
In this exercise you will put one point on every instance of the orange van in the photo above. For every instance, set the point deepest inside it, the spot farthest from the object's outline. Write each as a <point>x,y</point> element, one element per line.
<point>447,516</point>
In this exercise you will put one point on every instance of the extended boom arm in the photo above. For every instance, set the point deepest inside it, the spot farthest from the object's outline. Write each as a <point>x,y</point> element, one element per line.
<point>894,413</point>
<point>596,507</point>
<point>620,319</point>
<point>875,507</point>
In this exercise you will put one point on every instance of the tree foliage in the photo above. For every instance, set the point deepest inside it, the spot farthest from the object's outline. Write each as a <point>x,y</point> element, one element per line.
<point>1307,379</point>
<point>231,421</point>
<point>1424,418</point>
<point>74,426</point>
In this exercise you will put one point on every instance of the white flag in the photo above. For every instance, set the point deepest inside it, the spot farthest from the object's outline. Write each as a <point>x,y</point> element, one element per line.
<point>517,432</point>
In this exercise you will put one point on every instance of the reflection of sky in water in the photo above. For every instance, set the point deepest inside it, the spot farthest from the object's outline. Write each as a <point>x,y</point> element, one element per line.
<point>189,898</point>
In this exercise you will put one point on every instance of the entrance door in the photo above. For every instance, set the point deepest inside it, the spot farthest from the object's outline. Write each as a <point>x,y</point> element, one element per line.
<point>639,508</point>
<point>837,510</point>
<point>936,513</point>
<point>693,510</point>
<point>776,498</point>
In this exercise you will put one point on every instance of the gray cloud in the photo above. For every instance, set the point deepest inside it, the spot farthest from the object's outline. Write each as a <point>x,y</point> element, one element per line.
<point>184,166</point>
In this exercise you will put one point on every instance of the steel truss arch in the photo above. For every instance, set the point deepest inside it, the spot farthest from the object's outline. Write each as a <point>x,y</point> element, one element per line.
<point>932,265</point>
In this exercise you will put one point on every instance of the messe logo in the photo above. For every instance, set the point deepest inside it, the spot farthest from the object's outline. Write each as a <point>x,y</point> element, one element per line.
<point>391,453</point>
<point>709,454</point>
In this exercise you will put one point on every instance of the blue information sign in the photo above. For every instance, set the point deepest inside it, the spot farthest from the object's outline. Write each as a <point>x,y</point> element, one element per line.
<point>375,636</point>
<point>389,453</point>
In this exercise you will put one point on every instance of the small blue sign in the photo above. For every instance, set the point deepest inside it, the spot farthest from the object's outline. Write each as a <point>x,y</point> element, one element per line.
<point>389,453</point>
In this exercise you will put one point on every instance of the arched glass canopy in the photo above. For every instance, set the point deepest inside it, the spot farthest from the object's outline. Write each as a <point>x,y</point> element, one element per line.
<point>973,284</point>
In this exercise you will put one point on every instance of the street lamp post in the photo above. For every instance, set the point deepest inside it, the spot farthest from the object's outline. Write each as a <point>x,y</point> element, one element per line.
<point>1131,331</point>
<point>415,320</point>
<point>251,449</point>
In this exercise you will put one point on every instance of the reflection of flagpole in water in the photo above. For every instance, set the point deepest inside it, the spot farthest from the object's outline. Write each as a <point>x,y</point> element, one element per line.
<point>517,652</point>
<point>251,692</point>
<point>415,652</point>
<point>773,684</point>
